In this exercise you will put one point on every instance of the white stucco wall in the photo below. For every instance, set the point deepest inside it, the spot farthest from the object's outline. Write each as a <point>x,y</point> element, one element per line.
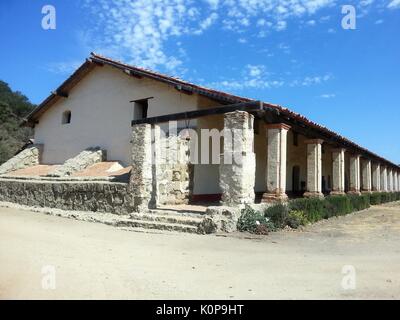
<point>102,114</point>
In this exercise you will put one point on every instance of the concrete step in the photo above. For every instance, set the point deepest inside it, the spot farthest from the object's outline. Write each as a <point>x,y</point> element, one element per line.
<point>168,218</point>
<point>133,223</point>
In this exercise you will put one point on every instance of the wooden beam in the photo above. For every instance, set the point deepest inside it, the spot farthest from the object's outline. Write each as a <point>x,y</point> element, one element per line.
<point>183,89</point>
<point>60,94</point>
<point>243,106</point>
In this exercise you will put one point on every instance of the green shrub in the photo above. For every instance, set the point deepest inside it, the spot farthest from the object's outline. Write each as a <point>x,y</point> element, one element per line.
<point>337,205</point>
<point>296,219</point>
<point>385,197</point>
<point>376,198</point>
<point>313,208</point>
<point>359,202</point>
<point>278,214</point>
<point>304,210</point>
<point>255,222</point>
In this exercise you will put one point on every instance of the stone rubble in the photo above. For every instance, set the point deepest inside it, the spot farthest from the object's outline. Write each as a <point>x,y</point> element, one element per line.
<point>80,162</point>
<point>26,158</point>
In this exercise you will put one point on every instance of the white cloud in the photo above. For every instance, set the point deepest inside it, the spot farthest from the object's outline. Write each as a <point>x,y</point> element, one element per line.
<point>63,68</point>
<point>380,21</point>
<point>395,4</point>
<point>213,3</point>
<point>205,24</point>
<point>143,32</point>
<point>366,2</point>
<point>137,31</point>
<point>311,80</point>
<point>255,70</point>
<point>280,25</point>
<point>252,77</point>
<point>328,96</point>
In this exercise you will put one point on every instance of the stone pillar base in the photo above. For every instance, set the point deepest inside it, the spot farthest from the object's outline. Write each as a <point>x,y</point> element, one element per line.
<point>274,197</point>
<point>357,193</point>
<point>337,193</point>
<point>313,195</point>
<point>366,192</point>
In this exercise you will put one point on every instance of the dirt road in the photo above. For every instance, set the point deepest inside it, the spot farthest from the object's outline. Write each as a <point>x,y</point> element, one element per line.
<point>49,257</point>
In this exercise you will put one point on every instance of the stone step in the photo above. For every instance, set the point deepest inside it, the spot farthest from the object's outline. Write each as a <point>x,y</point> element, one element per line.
<point>133,223</point>
<point>167,218</point>
<point>182,213</point>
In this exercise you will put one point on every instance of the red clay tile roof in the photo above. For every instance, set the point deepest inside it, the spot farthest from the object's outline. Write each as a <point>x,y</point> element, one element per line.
<point>223,97</point>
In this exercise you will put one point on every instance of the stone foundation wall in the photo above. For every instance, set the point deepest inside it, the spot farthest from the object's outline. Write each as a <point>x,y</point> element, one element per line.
<point>26,158</point>
<point>68,195</point>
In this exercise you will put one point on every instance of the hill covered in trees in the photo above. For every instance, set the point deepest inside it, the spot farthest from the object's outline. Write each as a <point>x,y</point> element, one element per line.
<point>14,106</point>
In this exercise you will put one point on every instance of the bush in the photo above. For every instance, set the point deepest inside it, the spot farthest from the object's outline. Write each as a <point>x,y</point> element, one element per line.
<point>385,197</point>
<point>376,198</point>
<point>337,205</point>
<point>278,214</point>
<point>359,202</point>
<point>313,208</point>
<point>304,210</point>
<point>296,219</point>
<point>255,222</point>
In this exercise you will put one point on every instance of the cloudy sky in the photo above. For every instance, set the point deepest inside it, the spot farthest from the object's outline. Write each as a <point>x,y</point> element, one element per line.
<point>290,52</point>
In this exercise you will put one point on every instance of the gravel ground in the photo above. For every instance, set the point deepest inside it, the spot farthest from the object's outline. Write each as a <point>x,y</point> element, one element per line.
<point>45,256</point>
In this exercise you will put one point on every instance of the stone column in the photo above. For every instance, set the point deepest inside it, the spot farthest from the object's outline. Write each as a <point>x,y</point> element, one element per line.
<point>238,162</point>
<point>141,180</point>
<point>355,174</point>
<point>390,180</point>
<point>395,181</point>
<point>384,186</point>
<point>366,176</point>
<point>376,177</point>
<point>314,168</point>
<point>398,181</point>
<point>276,162</point>
<point>338,172</point>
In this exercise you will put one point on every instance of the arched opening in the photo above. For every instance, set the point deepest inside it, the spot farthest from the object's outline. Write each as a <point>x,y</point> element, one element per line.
<point>66,117</point>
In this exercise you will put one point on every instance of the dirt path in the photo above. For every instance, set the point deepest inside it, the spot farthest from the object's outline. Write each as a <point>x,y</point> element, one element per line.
<point>96,261</point>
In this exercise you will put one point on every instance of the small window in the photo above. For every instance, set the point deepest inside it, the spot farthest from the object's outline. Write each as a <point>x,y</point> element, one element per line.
<point>66,117</point>
<point>141,107</point>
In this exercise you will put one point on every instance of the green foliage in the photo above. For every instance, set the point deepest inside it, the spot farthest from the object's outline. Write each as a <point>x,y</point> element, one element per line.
<point>314,208</point>
<point>255,222</point>
<point>385,197</point>
<point>337,205</point>
<point>296,218</point>
<point>304,210</point>
<point>13,107</point>
<point>376,198</point>
<point>278,214</point>
<point>359,202</point>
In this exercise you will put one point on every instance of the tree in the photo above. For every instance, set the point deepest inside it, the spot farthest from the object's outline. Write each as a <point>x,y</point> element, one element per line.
<point>13,107</point>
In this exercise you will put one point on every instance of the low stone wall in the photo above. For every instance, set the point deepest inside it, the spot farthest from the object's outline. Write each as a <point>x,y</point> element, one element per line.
<point>80,162</point>
<point>69,195</point>
<point>26,158</point>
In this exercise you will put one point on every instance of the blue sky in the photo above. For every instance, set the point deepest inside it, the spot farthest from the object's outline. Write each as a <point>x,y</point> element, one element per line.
<point>290,52</point>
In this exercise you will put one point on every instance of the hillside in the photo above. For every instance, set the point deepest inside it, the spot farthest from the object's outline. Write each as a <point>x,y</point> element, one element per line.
<point>13,107</point>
